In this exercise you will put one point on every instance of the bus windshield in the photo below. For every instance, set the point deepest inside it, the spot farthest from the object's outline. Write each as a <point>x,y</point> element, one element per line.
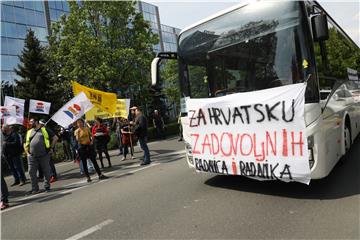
<point>258,46</point>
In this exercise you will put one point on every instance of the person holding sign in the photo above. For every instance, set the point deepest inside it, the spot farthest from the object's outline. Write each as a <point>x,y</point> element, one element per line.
<point>127,139</point>
<point>86,149</point>
<point>101,136</point>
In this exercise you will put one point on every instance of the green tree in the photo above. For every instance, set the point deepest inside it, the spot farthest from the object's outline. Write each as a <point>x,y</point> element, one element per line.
<point>35,82</point>
<point>7,89</point>
<point>341,54</point>
<point>103,44</point>
<point>170,79</point>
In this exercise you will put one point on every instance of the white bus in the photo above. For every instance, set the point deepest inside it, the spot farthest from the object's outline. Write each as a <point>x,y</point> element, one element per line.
<point>265,44</point>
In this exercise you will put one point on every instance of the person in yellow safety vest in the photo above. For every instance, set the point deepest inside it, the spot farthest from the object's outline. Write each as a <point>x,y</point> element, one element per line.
<point>39,142</point>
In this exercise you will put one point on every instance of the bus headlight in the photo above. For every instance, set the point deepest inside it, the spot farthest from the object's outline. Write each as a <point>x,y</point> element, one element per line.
<point>311,158</point>
<point>310,141</point>
<point>189,156</point>
<point>188,148</point>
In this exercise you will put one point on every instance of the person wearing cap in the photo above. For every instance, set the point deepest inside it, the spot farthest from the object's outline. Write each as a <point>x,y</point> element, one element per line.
<point>140,129</point>
<point>39,142</point>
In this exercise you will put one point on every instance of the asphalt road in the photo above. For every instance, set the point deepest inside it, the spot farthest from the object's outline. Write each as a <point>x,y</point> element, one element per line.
<point>168,200</point>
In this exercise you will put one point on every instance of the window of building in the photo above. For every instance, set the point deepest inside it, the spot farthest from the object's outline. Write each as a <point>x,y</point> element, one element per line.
<point>145,7</point>
<point>58,5</point>
<point>4,46</point>
<point>66,6</point>
<point>39,6</point>
<point>6,75</point>
<point>19,3</point>
<point>20,16</point>
<point>40,19</point>
<point>29,4</point>
<point>10,3</point>
<point>52,4</point>
<point>8,13</point>
<point>53,16</point>
<point>3,33</point>
<point>21,31</point>
<point>9,29</point>
<point>15,46</point>
<point>30,17</point>
<point>9,62</point>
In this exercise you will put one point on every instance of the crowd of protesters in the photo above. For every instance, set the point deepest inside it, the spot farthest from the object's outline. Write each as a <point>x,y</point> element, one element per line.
<point>81,142</point>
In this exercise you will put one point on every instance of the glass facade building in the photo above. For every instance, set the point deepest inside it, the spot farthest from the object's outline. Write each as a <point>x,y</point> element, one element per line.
<point>19,16</point>
<point>16,18</point>
<point>167,35</point>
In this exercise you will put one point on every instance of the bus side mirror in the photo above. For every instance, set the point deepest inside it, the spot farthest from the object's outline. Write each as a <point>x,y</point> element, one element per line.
<point>320,27</point>
<point>155,65</point>
<point>155,71</point>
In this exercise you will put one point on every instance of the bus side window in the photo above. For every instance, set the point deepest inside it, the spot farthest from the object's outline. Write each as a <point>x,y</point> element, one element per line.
<point>339,55</point>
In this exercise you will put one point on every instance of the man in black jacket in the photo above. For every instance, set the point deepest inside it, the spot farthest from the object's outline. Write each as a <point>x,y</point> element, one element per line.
<point>12,150</point>
<point>140,129</point>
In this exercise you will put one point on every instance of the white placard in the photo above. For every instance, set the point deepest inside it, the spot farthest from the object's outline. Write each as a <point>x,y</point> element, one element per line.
<point>41,107</point>
<point>8,115</point>
<point>19,106</point>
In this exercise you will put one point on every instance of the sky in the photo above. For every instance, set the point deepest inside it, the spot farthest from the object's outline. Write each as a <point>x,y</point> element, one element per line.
<point>183,13</point>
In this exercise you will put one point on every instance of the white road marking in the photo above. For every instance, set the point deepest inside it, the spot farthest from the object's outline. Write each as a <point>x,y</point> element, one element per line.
<point>29,197</point>
<point>91,230</point>
<point>139,169</point>
<point>15,207</point>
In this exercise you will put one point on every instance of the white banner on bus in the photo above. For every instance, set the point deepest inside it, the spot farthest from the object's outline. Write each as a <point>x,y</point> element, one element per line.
<point>258,134</point>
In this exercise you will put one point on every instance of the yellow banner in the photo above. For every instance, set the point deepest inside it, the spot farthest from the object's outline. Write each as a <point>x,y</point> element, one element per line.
<point>122,110</point>
<point>103,100</point>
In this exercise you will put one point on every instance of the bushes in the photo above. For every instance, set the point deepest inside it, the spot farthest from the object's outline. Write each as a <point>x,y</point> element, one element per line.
<point>170,129</point>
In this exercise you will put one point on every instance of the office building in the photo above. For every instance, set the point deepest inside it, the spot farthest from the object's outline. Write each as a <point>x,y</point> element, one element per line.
<point>19,16</point>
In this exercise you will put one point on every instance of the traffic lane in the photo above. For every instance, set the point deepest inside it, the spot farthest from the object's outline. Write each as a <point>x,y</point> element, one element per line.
<point>204,206</point>
<point>68,214</point>
<point>170,200</point>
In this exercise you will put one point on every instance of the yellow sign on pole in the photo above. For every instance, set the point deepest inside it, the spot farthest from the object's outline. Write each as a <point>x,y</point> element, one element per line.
<point>104,100</point>
<point>122,110</point>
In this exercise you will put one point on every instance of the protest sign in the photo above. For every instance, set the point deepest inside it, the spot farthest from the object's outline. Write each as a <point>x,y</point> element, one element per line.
<point>37,106</point>
<point>258,134</point>
<point>122,110</point>
<point>19,106</point>
<point>73,110</point>
<point>8,115</point>
<point>104,100</point>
